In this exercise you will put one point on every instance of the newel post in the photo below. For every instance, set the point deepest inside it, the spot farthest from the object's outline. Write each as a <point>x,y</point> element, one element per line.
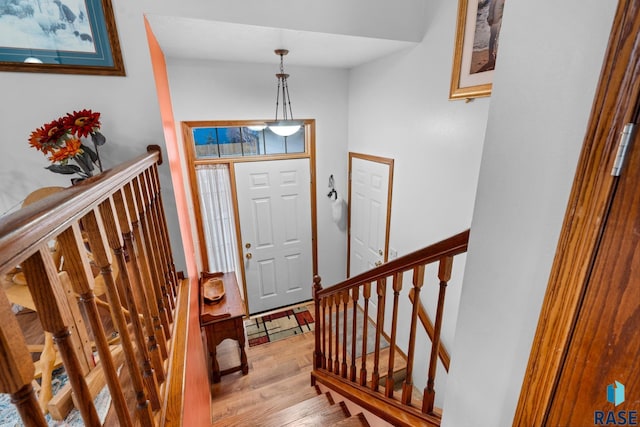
<point>317,355</point>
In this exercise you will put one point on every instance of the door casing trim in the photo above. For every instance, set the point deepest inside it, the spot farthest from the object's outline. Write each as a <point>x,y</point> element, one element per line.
<point>613,106</point>
<point>310,153</point>
<point>377,159</point>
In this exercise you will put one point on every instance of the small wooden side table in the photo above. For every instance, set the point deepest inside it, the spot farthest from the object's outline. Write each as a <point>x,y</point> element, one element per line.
<point>223,320</point>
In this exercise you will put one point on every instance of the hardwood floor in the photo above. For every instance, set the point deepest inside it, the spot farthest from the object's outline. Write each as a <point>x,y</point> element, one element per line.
<point>277,390</point>
<point>275,370</point>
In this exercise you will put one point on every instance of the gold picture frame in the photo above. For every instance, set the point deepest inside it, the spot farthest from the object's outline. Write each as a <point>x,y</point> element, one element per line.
<point>77,40</point>
<point>473,69</point>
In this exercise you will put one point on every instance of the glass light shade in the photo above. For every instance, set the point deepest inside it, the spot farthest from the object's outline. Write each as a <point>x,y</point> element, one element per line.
<point>285,127</point>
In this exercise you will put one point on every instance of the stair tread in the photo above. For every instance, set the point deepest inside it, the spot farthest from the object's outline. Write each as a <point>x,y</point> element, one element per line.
<point>270,418</point>
<point>275,397</point>
<point>357,420</point>
<point>325,417</point>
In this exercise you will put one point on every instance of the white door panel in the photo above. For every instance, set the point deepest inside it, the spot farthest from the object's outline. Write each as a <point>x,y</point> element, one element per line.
<point>275,221</point>
<point>368,214</point>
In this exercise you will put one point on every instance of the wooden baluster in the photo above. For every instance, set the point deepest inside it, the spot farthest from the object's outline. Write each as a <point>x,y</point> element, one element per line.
<point>96,234</point>
<point>397,287</point>
<point>147,288</point>
<point>317,355</point>
<point>164,231</point>
<point>323,324</point>
<point>336,366</point>
<point>114,236</point>
<point>382,291</point>
<point>77,266</point>
<point>16,367</point>
<point>55,316</point>
<point>330,331</point>
<point>407,386</point>
<point>28,408</point>
<point>47,363</point>
<point>138,294</point>
<point>366,293</point>
<point>160,255</point>
<point>155,258</point>
<point>354,332</point>
<point>444,274</point>
<point>345,302</point>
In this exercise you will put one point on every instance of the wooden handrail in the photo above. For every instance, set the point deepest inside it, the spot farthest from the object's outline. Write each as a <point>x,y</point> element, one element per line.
<point>115,223</point>
<point>334,359</point>
<point>39,222</point>
<point>428,327</point>
<point>451,246</point>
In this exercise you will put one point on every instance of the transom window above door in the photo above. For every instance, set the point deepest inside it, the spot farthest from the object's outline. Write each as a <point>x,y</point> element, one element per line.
<point>242,141</point>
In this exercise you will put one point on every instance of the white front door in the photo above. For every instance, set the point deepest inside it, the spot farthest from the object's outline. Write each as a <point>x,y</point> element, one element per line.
<point>275,224</point>
<point>369,210</point>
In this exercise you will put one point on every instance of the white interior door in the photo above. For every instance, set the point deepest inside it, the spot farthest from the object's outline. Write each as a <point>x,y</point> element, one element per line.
<point>275,224</point>
<point>369,210</point>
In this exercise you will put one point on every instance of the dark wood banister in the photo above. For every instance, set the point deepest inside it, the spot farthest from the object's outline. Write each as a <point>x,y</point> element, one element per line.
<point>428,326</point>
<point>331,303</point>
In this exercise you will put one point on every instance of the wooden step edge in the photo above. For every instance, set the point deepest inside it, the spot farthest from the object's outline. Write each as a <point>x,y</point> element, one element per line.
<point>389,410</point>
<point>233,407</point>
<point>358,420</point>
<point>273,416</point>
<point>325,417</point>
<point>307,408</point>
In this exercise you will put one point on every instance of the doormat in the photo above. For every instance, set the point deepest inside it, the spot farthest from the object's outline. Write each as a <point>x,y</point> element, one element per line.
<point>276,326</point>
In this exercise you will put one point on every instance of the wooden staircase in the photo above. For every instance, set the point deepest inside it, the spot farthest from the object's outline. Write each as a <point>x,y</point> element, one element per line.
<point>277,390</point>
<point>317,410</point>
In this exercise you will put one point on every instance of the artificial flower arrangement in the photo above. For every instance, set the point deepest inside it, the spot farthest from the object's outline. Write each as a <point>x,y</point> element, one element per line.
<point>63,142</point>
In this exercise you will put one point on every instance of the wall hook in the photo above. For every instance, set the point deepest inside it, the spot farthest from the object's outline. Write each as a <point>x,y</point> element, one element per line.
<point>333,191</point>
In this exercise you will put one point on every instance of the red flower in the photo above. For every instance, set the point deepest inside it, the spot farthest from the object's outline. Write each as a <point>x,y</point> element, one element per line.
<point>61,141</point>
<point>68,151</point>
<point>82,123</point>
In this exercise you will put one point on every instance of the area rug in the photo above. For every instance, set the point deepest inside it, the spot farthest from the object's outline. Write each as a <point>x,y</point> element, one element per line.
<point>9,416</point>
<point>280,325</point>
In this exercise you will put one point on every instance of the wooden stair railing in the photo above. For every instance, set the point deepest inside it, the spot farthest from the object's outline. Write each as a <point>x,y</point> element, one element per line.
<point>335,358</point>
<point>112,220</point>
<point>443,354</point>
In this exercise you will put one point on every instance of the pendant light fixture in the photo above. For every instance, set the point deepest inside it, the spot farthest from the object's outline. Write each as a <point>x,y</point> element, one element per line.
<point>287,126</point>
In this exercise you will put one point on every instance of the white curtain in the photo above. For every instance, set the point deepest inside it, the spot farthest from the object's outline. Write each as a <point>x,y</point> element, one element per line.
<point>217,216</point>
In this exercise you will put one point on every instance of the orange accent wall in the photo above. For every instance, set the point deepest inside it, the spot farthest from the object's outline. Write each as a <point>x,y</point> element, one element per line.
<point>196,387</point>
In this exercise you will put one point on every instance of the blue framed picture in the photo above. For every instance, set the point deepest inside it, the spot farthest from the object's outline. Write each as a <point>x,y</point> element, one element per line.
<point>59,36</point>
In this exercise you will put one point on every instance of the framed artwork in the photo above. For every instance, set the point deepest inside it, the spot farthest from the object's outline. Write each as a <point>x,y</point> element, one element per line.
<point>476,48</point>
<point>59,36</point>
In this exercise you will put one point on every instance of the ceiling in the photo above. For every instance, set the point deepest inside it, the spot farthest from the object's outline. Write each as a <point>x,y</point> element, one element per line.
<point>189,38</point>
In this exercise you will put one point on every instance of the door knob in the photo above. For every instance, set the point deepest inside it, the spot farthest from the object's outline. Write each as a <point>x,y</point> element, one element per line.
<point>378,263</point>
<point>380,252</point>
<point>248,255</point>
<point>248,245</point>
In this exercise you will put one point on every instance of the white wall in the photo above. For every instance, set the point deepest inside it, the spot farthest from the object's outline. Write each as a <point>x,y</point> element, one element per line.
<point>130,117</point>
<point>399,108</point>
<point>544,86</point>
<point>397,20</point>
<point>239,91</point>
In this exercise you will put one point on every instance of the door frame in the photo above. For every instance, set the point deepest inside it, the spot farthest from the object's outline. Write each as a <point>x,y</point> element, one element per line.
<point>192,162</point>
<point>377,159</point>
<point>585,217</point>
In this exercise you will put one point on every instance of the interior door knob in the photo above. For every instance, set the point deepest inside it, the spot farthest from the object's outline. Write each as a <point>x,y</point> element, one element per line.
<point>378,263</point>
<point>248,255</point>
<point>380,252</point>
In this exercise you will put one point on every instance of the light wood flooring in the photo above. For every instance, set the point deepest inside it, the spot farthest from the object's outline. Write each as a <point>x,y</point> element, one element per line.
<point>277,390</point>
